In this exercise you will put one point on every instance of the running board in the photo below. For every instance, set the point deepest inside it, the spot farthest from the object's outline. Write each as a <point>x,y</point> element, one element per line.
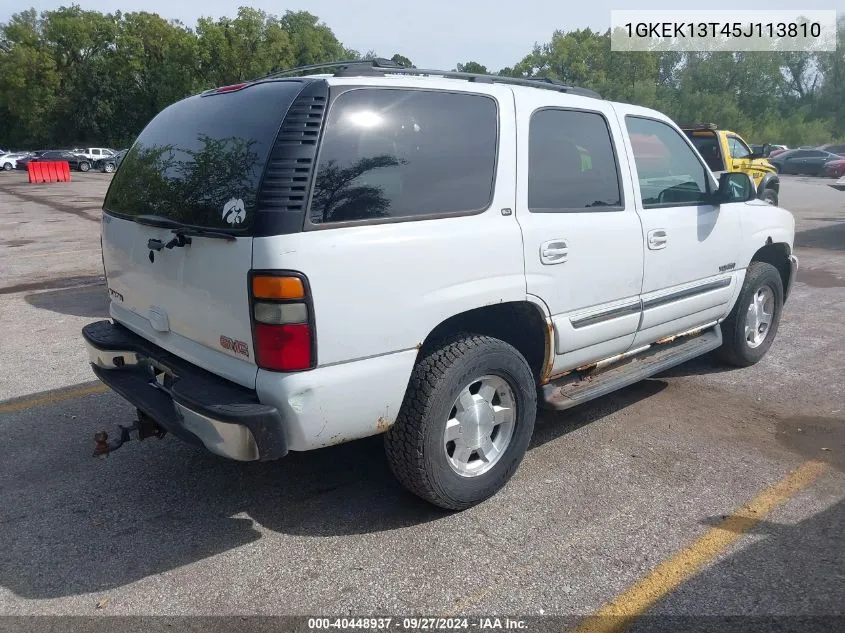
<point>574,388</point>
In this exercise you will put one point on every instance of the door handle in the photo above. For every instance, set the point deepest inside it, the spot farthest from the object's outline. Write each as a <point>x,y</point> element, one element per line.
<point>554,252</point>
<point>657,239</point>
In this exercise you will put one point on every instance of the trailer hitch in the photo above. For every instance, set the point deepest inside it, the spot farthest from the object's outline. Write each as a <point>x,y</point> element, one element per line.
<point>144,426</point>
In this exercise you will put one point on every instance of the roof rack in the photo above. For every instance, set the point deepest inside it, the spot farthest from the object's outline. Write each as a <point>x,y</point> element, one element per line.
<point>380,66</point>
<point>698,126</point>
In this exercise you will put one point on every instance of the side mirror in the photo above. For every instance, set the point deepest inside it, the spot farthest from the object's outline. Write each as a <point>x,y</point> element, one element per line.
<point>767,149</point>
<point>735,186</point>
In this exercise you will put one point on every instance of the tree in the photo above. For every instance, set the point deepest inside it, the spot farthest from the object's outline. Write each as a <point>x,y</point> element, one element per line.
<point>473,67</point>
<point>402,61</point>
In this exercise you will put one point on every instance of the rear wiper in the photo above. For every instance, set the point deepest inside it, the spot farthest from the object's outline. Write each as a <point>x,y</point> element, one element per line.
<point>180,229</point>
<point>198,232</point>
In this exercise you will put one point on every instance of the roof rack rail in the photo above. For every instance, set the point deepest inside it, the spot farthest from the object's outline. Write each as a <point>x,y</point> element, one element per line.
<point>698,126</point>
<point>380,66</point>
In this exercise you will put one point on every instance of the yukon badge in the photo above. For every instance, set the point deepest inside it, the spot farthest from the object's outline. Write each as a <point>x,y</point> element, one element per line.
<point>233,211</point>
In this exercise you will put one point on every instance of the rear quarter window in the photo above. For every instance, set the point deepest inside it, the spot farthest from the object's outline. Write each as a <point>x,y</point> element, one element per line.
<point>393,153</point>
<point>201,160</point>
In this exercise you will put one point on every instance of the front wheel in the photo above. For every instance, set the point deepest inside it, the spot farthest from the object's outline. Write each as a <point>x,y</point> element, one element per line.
<point>750,329</point>
<point>465,423</point>
<point>108,168</point>
<point>7,166</point>
<point>770,196</point>
<point>83,166</point>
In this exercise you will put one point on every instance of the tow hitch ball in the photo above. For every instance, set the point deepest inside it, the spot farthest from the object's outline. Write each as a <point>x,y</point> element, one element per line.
<point>144,426</point>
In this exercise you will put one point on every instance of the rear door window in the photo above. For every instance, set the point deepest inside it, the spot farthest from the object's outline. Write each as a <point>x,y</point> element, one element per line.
<point>571,163</point>
<point>393,153</point>
<point>201,160</point>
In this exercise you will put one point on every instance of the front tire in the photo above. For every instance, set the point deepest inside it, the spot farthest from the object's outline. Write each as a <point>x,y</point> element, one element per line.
<point>770,196</point>
<point>7,166</point>
<point>750,329</point>
<point>465,423</point>
<point>84,166</point>
<point>108,168</point>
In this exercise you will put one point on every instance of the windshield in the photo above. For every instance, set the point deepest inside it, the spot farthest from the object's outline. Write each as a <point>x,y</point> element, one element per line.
<point>200,161</point>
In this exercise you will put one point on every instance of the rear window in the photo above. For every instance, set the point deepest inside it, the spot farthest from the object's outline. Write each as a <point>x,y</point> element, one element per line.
<point>393,153</point>
<point>200,161</point>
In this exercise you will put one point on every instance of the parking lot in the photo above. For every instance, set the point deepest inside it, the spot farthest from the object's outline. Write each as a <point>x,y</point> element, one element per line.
<point>704,491</point>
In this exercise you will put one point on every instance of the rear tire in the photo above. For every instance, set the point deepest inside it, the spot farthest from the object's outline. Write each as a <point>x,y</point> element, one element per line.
<point>752,325</point>
<point>451,445</point>
<point>7,166</point>
<point>770,196</point>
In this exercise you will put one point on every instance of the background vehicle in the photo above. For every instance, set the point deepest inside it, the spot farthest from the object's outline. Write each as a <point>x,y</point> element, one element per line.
<point>8,162</point>
<point>74,161</point>
<point>21,163</point>
<point>833,148</point>
<point>724,150</point>
<point>809,162</point>
<point>94,153</point>
<point>834,168</point>
<point>422,256</point>
<point>109,164</point>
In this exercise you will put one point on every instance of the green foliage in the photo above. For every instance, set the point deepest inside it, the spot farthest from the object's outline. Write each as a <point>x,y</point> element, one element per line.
<point>72,76</point>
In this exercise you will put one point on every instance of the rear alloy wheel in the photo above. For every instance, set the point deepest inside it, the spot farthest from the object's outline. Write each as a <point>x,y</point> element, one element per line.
<point>465,423</point>
<point>83,166</point>
<point>750,329</point>
<point>7,166</point>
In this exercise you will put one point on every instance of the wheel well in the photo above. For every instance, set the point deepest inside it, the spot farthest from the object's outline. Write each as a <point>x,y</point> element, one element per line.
<point>519,323</point>
<point>776,254</point>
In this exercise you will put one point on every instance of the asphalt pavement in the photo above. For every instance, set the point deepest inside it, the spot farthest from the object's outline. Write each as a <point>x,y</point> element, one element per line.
<point>706,491</point>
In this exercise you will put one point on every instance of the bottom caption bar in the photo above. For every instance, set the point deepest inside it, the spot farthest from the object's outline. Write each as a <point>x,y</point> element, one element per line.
<point>652,623</point>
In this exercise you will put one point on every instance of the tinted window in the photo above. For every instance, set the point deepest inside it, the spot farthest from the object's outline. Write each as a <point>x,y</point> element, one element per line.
<point>668,170</point>
<point>403,153</point>
<point>708,146</point>
<point>571,164</point>
<point>200,161</point>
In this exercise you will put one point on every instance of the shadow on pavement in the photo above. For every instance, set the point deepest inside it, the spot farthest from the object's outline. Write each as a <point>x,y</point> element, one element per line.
<point>790,572</point>
<point>88,301</point>
<point>73,524</point>
<point>831,237</point>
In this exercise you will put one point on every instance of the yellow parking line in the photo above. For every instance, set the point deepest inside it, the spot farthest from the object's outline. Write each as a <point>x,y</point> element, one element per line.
<point>620,613</point>
<point>54,397</point>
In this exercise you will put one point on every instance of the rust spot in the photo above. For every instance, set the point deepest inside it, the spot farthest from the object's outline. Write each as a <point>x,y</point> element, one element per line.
<point>550,356</point>
<point>419,345</point>
<point>382,424</point>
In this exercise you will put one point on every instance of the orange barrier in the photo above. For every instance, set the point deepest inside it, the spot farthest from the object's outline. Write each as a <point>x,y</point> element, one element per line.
<point>48,171</point>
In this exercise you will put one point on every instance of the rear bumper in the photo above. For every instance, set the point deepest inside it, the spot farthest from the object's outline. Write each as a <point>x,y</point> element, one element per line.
<point>193,404</point>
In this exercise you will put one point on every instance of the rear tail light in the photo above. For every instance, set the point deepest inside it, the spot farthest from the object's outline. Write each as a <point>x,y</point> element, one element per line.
<point>283,322</point>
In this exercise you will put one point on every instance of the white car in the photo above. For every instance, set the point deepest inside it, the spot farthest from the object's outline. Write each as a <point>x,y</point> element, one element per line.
<point>294,263</point>
<point>9,161</point>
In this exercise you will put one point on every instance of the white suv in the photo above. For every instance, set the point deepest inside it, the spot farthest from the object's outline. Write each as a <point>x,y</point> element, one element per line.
<point>94,153</point>
<point>299,262</point>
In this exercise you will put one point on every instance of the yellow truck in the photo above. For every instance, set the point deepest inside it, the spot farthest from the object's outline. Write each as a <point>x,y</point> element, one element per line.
<point>725,151</point>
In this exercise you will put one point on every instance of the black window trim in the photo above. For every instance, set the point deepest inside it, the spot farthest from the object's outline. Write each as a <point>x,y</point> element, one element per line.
<point>335,92</point>
<point>711,182</point>
<point>619,181</point>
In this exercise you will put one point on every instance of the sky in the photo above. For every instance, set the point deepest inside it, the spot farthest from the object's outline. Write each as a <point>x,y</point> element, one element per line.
<point>432,33</point>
